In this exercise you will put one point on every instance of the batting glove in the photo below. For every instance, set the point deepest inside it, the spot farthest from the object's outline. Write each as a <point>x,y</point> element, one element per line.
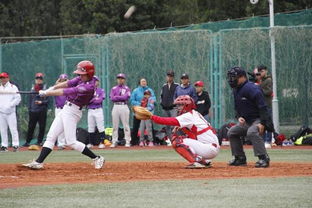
<point>42,93</point>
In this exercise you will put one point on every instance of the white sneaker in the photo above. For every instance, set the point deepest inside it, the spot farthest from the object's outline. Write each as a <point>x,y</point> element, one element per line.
<point>101,146</point>
<point>169,144</point>
<point>33,165</point>
<point>267,145</point>
<point>98,162</point>
<point>127,145</point>
<point>195,165</point>
<point>113,145</point>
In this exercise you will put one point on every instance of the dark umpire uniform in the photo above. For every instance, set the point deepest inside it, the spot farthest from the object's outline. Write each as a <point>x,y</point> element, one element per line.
<point>253,117</point>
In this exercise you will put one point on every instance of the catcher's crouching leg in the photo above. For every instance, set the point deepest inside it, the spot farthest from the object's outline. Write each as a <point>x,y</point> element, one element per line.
<point>184,150</point>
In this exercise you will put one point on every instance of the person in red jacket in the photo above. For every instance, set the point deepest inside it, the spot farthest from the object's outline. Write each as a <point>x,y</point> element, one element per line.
<point>199,144</point>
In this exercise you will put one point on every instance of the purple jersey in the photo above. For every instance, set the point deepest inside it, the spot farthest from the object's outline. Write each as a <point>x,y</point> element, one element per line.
<point>120,93</point>
<point>60,101</point>
<point>78,92</point>
<point>98,97</point>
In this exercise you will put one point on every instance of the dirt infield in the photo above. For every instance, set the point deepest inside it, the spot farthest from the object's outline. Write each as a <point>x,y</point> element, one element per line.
<point>12,175</point>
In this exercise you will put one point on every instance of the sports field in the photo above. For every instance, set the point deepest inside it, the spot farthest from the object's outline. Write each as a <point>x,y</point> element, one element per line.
<point>155,177</point>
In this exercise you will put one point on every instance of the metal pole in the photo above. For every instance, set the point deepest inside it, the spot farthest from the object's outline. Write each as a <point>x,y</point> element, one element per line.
<point>275,111</point>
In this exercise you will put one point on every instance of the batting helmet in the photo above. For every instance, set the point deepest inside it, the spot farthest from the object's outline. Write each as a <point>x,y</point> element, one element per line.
<point>85,67</point>
<point>186,102</point>
<point>233,74</point>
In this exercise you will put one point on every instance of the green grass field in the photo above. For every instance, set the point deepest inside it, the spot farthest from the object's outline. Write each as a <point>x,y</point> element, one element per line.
<point>259,192</point>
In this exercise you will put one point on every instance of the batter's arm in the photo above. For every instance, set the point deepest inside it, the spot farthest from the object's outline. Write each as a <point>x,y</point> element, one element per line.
<point>57,92</point>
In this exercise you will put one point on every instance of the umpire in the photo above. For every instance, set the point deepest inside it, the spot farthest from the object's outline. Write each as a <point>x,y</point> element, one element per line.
<point>253,119</point>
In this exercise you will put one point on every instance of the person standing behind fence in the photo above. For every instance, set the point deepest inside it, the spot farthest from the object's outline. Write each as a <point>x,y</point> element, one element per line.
<point>148,103</point>
<point>120,95</point>
<point>96,116</point>
<point>166,96</point>
<point>135,100</point>
<point>185,88</point>
<point>266,85</point>
<point>8,113</point>
<point>59,104</point>
<point>203,103</point>
<point>37,107</point>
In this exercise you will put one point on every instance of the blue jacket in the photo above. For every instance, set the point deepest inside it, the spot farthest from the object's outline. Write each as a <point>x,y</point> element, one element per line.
<point>138,94</point>
<point>188,90</point>
<point>249,103</point>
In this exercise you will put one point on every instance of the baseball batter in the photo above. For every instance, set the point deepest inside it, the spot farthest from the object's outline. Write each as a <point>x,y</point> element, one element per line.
<point>200,145</point>
<point>79,92</point>
<point>8,113</point>
<point>59,104</point>
<point>96,115</point>
<point>120,95</point>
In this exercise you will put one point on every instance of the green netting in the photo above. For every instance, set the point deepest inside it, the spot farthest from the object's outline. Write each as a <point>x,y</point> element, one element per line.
<point>201,53</point>
<point>251,47</point>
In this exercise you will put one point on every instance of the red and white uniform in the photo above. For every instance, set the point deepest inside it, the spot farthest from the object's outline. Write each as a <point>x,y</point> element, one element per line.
<point>201,139</point>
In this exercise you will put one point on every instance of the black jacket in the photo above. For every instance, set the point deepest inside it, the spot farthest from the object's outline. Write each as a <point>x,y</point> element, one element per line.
<point>32,106</point>
<point>203,103</point>
<point>167,95</point>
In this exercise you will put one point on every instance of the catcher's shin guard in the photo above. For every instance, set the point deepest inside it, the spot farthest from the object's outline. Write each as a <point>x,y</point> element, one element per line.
<point>185,151</point>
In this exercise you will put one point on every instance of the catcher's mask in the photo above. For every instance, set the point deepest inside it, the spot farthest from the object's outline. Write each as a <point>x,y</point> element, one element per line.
<point>233,74</point>
<point>184,104</point>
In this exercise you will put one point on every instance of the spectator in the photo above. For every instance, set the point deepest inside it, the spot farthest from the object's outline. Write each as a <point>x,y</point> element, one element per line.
<point>96,116</point>
<point>37,107</point>
<point>253,119</point>
<point>120,95</point>
<point>147,102</point>
<point>135,100</point>
<point>8,113</point>
<point>185,88</point>
<point>59,104</point>
<point>166,96</point>
<point>266,85</point>
<point>203,103</point>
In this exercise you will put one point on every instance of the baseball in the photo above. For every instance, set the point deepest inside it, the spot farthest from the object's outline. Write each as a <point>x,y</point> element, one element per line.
<point>129,12</point>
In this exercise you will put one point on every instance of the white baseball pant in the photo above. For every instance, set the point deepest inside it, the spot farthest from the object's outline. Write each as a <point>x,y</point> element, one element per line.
<point>95,119</point>
<point>8,120</point>
<point>121,112</point>
<point>61,137</point>
<point>207,151</point>
<point>66,122</point>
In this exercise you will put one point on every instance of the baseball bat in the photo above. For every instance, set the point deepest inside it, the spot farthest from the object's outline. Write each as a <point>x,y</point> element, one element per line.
<point>18,92</point>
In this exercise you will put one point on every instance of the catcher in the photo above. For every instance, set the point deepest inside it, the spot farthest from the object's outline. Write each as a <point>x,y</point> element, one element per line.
<point>199,144</point>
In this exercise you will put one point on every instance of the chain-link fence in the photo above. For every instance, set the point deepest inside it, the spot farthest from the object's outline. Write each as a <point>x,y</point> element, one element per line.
<point>202,54</point>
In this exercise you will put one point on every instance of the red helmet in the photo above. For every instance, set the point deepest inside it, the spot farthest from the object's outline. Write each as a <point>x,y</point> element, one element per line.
<point>187,102</point>
<point>85,67</point>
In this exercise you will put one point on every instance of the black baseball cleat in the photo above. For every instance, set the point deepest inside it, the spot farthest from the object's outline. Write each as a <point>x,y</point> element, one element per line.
<point>263,163</point>
<point>238,161</point>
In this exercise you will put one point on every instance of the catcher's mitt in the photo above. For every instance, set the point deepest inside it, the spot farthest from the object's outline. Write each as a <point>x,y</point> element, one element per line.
<point>142,113</point>
<point>34,147</point>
